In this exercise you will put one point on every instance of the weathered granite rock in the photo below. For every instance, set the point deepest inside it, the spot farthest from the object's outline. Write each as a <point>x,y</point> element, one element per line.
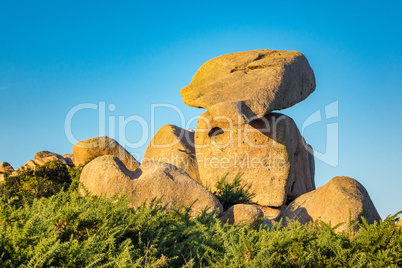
<point>5,167</point>
<point>28,165</point>
<point>173,145</point>
<point>272,212</point>
<point>270,152</point>
<point>43,157</point>
<point>266,223</point>
<point>242,213</point>
<point>69,158</point>
<point>335,202</point>
<point>87,150</point>
<point>107,175</point>
<point>252,83</point>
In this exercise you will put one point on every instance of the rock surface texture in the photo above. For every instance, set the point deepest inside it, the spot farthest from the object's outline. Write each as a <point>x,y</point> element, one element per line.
<point>43,157</point>
<point>242,213</point>
<point>270,152</point>
<point>334,202</point>
<point>173,145</point>
<point>87,150</point>
<point>251,84</point>
<point>107,175</point>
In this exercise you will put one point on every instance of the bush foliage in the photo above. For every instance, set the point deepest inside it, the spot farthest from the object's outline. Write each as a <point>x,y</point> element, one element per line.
<point>68,230</point>
<point>43,181</point>
<point>232,193</point>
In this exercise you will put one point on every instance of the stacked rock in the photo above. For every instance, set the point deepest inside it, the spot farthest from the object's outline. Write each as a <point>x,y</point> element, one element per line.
<point>240,134</point>
<point>162,175</point>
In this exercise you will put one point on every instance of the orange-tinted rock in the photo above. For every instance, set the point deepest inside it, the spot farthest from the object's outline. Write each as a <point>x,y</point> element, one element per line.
<point>43,157</point>
<point>107,175</point>
<point>173,145</point>
<point>242,213</point>
<point>87,150</point>
<point>251,84</point>
<point>338,201</point>
<point>270,152</point>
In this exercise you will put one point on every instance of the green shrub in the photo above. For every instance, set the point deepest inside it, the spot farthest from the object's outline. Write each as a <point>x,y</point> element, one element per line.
<point>235,192</point>
<point>43,181</point>
<point>69,230</point>
<point>75,173</point>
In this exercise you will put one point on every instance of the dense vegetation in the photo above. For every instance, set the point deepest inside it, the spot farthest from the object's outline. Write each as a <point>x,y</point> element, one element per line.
<point>66,229</point>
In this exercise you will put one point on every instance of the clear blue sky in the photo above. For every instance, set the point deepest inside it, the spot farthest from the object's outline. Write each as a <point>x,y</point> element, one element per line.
<point>55,55</point>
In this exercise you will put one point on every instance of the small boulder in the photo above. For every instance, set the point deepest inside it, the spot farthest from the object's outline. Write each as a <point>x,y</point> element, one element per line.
<point>272,212</point>
<point>87,150</point>
<point>43,157</point>
<point>6,168</point>
<point>107,175</point>
<point>250,84</point>
<point>335,202</point>
<point>242,213</point>
<point>175,146</point>
<point>69,158</point>
<point>28,165</point>
<point>266,223</point>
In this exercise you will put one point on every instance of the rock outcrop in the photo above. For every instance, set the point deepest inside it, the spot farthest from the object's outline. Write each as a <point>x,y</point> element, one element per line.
<point>87,150</point>
<point>173,145</point>
<point>43,157</point>
<point>270,152</point>
<point>251,84</point>
<point>107,175</point>
<point>238,134</point>
<point>6,168</point>
<point>335,202</point>
<point>28,165</point>
<point>242,213</point>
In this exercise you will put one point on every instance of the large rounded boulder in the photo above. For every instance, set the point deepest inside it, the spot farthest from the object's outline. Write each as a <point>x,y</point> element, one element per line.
<point>251,84</point>
<point>107,176</point>
<point>340,200</point>
<point>270,153</point>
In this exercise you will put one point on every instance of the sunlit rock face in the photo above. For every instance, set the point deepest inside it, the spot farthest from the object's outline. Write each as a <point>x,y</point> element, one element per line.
<point>341,200</point>
<point>250,84</point>
<point>270,152</point>
<point>173,145</point>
